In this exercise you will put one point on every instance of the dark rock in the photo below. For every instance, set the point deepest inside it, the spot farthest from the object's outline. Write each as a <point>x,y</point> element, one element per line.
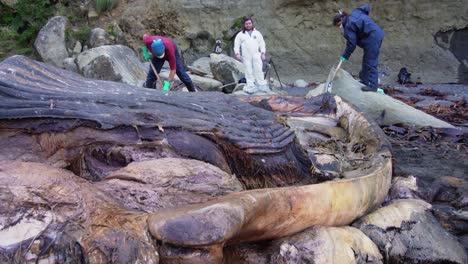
<point>449,189</point>
<point>453,220</point>
<point>405,232</point>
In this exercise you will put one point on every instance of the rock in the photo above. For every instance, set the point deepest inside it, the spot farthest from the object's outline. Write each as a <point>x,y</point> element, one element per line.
<point>226,69</point>
<point>452,219</point>
<point>428,103</point>
<point>201,42</point>
<point>374,104</point>
<point>207,84</point>
<point>78,48</point>
<point>404,188</point>
<point>300,83</point>
<point>50,43</point>
<point>92,14</point>
<point>203,65</point>
<point>167,183</point>
<point>196,71</point>
<point>70,65</point>
<point>318,244</point>
<point>133,27</point>
<point>405,232</point>
<point>112,63</point>
<point>120,38</point>
<point>323,245</point>
<point>99,37</point>
<point>448,189</point>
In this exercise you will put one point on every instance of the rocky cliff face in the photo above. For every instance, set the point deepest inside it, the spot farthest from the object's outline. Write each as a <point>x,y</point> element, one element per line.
<point>427,37</point>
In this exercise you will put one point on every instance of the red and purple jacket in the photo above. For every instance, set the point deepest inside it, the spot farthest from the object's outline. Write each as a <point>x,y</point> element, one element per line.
<point>169,52</point>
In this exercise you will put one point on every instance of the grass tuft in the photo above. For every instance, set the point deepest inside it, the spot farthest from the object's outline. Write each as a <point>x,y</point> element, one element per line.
<point>105,5</point>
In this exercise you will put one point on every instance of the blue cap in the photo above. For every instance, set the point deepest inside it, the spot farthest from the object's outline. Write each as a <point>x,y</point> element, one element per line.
<point>158,48</point>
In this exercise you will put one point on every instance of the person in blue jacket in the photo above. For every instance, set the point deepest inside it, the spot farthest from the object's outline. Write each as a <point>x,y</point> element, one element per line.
<point>359,29</point>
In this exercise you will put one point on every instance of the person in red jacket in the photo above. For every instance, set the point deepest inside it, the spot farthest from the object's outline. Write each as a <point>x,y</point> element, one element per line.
<point>165,49</point>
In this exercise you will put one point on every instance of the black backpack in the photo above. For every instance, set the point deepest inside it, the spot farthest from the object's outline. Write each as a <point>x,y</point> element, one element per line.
<point>404,76</point>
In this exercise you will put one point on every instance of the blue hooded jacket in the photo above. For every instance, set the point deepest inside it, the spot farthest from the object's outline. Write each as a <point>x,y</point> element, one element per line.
<point>361,30</point>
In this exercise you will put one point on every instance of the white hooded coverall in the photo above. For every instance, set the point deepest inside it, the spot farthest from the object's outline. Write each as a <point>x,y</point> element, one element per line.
<point>252,46</point>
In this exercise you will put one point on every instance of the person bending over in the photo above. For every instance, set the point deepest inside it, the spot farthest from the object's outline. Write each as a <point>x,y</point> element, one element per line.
<point>359,29</point>
<point>165,49</point>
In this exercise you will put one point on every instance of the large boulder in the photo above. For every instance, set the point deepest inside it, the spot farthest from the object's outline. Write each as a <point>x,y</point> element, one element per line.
<point>202,65</point>
<point>374,104</point>
<point>406,232</point>
<point>50,43</point>
<point>112,63</point>
<point>227,70</point>
<point>449,197</point>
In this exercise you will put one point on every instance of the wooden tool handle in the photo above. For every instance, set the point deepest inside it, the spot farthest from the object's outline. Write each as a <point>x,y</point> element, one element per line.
<point>156,73</point>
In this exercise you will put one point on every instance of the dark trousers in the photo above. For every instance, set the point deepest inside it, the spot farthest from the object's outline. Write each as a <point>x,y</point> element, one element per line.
<point>370,61</point>
<point>180,71</point>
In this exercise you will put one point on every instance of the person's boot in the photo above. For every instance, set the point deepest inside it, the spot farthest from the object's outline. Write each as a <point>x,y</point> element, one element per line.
<point>368,89</point>
<point>190,87</point>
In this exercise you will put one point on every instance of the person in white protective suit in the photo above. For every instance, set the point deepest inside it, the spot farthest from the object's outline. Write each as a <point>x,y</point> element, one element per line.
<point>249,48</point>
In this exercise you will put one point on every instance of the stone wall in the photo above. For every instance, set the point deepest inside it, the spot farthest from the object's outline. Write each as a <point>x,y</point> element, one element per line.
<point>303,43</point>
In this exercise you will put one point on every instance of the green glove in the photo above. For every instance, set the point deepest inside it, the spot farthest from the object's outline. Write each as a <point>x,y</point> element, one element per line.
<point>166,86</point>
<point>343,59</point>
<point>146,54</point>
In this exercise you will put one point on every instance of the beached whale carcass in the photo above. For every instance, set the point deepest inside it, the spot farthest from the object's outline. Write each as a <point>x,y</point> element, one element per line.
<point>94,128</point>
